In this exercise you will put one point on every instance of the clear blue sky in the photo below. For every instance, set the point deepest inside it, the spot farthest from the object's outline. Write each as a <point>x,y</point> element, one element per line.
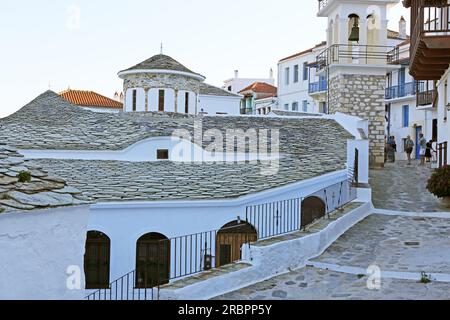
<point>42,42</point>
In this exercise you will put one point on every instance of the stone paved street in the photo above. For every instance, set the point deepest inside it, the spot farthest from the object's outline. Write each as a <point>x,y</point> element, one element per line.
<point>394,244</point>
<point>314,284</point>
<point>381,240</point>
<point>401,187</point>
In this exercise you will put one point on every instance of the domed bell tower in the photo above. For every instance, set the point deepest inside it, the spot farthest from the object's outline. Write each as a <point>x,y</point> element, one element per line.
<point>356,62</point>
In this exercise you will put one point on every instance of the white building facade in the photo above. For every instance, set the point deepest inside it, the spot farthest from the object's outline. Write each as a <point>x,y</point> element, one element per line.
<point>161,84</point>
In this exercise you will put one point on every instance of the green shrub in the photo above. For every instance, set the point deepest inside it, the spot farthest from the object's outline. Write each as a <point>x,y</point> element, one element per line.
<point>24,176</point>
<point>439,183</point>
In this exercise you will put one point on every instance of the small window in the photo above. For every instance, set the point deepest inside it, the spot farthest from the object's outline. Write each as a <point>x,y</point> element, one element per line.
<point>162,154</point>
<point>305,105</point>
<point>296,70</point>
<point>186,103</point>
<point>305,71</point>
<point>405,116</point>
<point>295,106</point>
<point>287,76</point>
<point>286,107</point>
<point>134,100</point>
<point>161,101</point>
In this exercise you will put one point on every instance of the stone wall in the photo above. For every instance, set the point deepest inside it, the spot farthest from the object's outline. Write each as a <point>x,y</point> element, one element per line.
<point>363,96</point>
<point>172,81</point>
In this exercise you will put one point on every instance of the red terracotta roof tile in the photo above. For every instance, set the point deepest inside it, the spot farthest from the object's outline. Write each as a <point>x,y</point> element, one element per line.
<point>89,99</point>
<point>261,87</point>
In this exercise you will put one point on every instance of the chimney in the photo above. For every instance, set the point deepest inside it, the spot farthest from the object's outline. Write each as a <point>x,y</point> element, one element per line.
<point>271,73</point>
<point>402,28</point>
<point>236,73</point>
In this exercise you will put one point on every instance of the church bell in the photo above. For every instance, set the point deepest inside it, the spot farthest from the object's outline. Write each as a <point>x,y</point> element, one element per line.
<point>354,36</point>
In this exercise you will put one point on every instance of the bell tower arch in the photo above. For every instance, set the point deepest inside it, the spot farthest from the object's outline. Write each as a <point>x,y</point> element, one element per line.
<point>356,63</point>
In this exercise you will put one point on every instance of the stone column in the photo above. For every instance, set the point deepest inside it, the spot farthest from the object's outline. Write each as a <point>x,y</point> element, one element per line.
<point>363,96</point>
<point>176,100</point>
<point>146,91</point>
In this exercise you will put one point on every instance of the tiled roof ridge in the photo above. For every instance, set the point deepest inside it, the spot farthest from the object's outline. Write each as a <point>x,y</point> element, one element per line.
<point>255,85</point>
<point>323,43</point>
<point>161,61</point>
<point>89,98</point>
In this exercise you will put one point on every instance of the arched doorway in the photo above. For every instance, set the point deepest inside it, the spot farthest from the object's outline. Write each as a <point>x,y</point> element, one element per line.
<point>97,260</point>
<point>152,260</point>
<point>313,208</point>
<point>230,239</point>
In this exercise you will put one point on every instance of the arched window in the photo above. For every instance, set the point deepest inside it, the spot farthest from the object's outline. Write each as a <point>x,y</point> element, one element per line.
<point>97,260</point>
<point>152,260</point>
<point>230,239</point>
<point>313,208</point>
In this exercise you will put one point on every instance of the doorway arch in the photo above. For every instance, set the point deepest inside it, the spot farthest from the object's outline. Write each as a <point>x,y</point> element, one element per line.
<point>97,260</point>
<point>230,239</point>
<point>313,208</point>
<point>152,260</point>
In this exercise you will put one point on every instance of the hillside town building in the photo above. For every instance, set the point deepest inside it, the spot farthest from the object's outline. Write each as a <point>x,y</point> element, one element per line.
<point>161,84</point>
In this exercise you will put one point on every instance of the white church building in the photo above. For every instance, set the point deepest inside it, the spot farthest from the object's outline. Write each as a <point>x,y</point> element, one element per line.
<point>162,84</point>
<point>147,205</point>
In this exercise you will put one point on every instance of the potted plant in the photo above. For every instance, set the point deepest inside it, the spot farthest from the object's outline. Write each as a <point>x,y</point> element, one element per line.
<point>439,184</point>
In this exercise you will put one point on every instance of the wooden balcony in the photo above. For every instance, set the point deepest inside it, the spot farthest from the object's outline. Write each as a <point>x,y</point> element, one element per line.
<point>427,94</point>
<point>430,40</point>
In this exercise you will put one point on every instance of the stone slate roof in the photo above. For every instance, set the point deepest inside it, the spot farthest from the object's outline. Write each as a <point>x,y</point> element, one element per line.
<point>283,113</point>
<point>43,190</point>
<point>161,62</point>
<point>310,147</point>
<point>209,90</point>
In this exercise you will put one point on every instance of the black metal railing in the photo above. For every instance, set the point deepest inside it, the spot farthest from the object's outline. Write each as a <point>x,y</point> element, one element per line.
<point>179,257</point>
<point>442,150</point>
<point>125,288</point>
<point>357,54</point>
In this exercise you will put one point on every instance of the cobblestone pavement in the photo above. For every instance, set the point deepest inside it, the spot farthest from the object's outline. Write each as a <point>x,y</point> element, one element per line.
<point>401,187</point>
<point>313,284</point>
<point>394,243</point>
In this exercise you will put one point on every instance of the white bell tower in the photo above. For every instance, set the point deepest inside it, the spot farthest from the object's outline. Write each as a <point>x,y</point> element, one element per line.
<point>356,63</point>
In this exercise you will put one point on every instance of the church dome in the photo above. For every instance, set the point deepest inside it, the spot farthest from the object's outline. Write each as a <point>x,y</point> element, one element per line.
<point>161,64</point>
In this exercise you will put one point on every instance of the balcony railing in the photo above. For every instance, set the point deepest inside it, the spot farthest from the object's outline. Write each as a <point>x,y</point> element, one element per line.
<point>357,54</point>
<point>426,93</point>
<point>319,86</point>
<point>401,91</point>
<point>430,23</point>
<point>426,98</point>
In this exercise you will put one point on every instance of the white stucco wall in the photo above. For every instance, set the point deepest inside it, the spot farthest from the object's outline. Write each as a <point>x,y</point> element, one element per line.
<point>220,104</point>
<point>265,266</point>
<point>125,223</point>
<point>36,248</point>
<point>140,99</point>
<point>180,150</point>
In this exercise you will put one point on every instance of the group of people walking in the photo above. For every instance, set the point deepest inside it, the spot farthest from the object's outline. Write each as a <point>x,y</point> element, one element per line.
<point>426,149</point>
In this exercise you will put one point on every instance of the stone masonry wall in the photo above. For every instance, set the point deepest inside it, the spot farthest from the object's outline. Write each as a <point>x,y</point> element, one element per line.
<point>363,96</point>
